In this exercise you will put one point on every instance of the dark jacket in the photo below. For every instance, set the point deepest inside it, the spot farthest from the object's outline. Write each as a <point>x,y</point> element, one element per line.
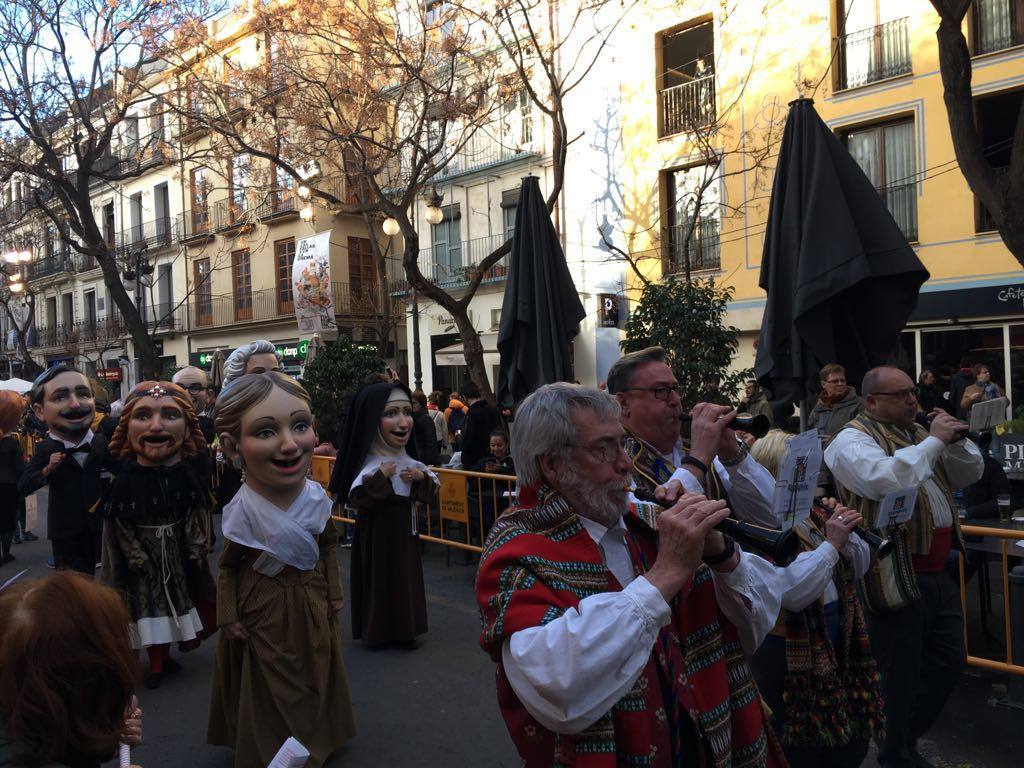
<point>12,461</point>
<point>505,467</point>
<point>426,438</point>
<point>980,498</point>
<point>74,489</point>
<point>832,420</point>
<point>481,419</point>
<point>758,406</point>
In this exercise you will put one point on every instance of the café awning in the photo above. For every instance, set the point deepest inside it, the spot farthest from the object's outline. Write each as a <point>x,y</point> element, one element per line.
<point>453,355</point>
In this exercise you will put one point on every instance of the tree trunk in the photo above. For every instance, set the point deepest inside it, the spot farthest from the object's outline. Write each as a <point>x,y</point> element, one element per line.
<point>473,349</point>
<point>145,349</point>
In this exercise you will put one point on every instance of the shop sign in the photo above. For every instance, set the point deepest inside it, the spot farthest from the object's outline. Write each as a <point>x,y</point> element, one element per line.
<point>1011,445</point>
<point>110,374</point>
<point>289,352</point>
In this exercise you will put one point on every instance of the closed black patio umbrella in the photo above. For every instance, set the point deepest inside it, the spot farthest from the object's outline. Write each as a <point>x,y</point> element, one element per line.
<point>840,276</point>
<point>541,311</point>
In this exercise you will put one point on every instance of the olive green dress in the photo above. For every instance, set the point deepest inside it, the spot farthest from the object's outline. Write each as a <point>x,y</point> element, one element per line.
<point>287,678</point>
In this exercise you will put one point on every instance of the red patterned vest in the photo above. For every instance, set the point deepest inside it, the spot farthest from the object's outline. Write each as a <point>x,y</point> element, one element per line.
<point>538,562</point>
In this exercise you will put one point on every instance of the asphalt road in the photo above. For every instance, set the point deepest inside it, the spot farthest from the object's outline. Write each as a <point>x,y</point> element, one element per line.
<point>435,706</point>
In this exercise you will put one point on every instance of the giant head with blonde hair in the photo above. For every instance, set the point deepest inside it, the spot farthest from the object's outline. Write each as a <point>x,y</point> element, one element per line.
<point>266,429</point>
<point>158,426</point>
<point>12,407</point>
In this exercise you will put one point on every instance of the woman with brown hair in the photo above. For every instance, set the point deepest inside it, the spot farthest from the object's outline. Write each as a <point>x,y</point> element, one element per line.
<point>66,676</point>
<point>279,670</point>
<point>12,464</point>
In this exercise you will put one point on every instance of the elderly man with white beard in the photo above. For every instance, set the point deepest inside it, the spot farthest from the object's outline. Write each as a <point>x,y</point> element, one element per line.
<point>617,644</point>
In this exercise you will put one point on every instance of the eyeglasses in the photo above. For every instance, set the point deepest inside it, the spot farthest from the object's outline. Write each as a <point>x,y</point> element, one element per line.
<point>607,450</point>
<point>195,388</point>
<point>660,392</point>
<point>903,394</point>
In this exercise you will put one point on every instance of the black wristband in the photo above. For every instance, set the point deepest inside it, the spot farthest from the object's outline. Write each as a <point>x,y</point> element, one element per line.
<point>694,462</point>
<point>725,554</point>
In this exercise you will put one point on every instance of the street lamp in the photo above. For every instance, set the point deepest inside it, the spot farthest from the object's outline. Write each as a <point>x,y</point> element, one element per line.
<point>434,213</point>
<point>391,226</point>
<point>306,212</point>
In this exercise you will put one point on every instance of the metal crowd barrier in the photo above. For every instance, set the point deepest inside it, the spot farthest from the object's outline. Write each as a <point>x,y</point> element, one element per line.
<point>998,541</point>
<point>467,505</point>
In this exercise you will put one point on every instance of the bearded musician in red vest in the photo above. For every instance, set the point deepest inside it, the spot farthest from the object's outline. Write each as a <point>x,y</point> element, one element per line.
<point>617,645</point>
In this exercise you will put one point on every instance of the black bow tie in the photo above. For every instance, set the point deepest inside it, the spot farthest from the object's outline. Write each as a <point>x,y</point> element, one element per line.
<point>83,448</point>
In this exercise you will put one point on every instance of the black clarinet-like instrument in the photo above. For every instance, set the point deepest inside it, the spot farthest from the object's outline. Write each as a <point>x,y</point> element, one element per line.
<point>780,546</point>
<point>882,547</point>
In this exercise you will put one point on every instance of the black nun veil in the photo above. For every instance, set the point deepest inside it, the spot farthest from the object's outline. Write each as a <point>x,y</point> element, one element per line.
<point>361,428</point>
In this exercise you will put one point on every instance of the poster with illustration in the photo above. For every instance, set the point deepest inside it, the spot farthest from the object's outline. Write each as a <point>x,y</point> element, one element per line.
<point>311,284</point>
<point>797,479</point>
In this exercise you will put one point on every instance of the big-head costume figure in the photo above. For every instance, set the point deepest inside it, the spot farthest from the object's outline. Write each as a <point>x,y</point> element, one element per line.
<point>156,537</point>
<point>69,461</point>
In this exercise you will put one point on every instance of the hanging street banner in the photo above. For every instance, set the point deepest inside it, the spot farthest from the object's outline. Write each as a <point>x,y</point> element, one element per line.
<point>311,284</point>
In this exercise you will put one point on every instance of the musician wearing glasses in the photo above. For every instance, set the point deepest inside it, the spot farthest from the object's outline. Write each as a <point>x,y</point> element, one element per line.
<point>915,618</point>
<point>617,644</point>
<point>69,460</point>
<point>713,461</point>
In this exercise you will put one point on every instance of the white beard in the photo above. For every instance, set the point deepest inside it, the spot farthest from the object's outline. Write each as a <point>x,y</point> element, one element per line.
<point>591,500</point>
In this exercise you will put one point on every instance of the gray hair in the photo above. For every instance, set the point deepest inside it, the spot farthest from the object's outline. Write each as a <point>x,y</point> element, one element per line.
<point>620,377</point>
<point>234,366</point>
<point>543,424</point>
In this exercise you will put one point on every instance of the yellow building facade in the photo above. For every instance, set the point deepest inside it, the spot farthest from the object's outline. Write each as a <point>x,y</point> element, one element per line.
<point>703,112</point>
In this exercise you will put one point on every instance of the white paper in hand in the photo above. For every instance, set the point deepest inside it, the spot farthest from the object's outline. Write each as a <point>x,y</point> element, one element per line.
<point>797,479</point>
<point>291,755</point>
<point>896,507</point>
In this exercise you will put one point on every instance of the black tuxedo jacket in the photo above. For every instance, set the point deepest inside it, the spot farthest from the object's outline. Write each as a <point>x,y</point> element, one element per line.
<point>75,490</point>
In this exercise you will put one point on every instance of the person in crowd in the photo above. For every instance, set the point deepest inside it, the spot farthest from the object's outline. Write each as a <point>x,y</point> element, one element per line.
<point>589,614</point>
<point>69,461</point>
<point>713,462</point>
<point>815,669</point>
<point>424,430</point>
<point>255,357</point>
<point>499,460</point>
<point>837,403</point>
<point>492,496</point>
<point>193,380</point>
<point>481,419</point>
<point>981,390</point>
<point>958,382</point>
<point>981,498</point>
<point>437,415</point>
<point>102,420</point>
<point>380,480</point>
<point>66,676</point>
<point>929,397</point>
<point>278,670</point>
<point>157,535</point>
<point>12,464</point>
<point>455,418</point>
<point>916,622</point>
<point>755,401</point>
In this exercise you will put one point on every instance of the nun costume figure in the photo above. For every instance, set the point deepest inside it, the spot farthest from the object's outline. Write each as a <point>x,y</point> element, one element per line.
<point>381,481</point>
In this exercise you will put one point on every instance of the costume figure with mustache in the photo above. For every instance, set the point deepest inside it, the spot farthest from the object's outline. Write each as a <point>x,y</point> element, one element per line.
<point>156,538</point>
<point>69,460</point>
<point>381,480</point>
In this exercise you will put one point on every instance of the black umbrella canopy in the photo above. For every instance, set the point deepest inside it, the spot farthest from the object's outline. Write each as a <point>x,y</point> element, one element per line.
<point>541,311</point>
<point>840,276</point>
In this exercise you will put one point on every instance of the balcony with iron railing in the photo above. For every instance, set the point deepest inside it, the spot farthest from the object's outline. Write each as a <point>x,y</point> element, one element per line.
<point>901,200</point>
<point>195,224</point>
<point>147,235</point>
<point>998,25</point>
<point>279,204</point>
<point>231,213</point>
<point>269,304</point>
<point>142,153</point>
<point>874,54</point>
<point>481,151</point>
<point>165,317</point>
<point>700,244</point>
<point>60,261</point>
<point>452,265</point>
<point>689,106</point>
<point>95,331</point>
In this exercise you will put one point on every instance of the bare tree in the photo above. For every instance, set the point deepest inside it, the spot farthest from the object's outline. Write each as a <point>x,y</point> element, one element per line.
<point>1001,190</point>
<point>71,71</point>
<point>388,95</point>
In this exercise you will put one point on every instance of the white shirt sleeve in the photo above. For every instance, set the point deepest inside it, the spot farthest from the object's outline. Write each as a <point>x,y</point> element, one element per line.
<point>750,597</point>
<point>963,463</point>
<point>857,554</point>
<point>805,579</point>
<point>860,464</point>
<point>571,671</point>
<point>750,487</point>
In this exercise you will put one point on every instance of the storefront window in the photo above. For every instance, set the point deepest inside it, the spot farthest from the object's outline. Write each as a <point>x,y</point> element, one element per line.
<point>1017,369</point>
<point>944,350</point>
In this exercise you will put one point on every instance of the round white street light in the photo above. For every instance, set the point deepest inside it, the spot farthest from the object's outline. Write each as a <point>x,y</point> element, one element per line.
<point>16,287</point>
<point>434,213</point>
<point>303,192</point>
<point>306,213</point>
<point>391,226</point>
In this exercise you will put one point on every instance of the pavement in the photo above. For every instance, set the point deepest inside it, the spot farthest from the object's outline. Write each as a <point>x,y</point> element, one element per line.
<point>435,705</point>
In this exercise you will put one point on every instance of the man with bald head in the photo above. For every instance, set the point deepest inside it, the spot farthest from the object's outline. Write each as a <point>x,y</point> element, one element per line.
<point>193,380</point>
<point>916,622</point>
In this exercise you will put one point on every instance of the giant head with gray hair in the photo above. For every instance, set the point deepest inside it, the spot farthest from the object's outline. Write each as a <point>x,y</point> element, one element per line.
<point>569,438</point>
<point>258,356</point>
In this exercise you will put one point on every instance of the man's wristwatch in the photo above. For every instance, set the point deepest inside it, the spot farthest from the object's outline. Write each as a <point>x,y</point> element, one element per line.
<point>741,453</point>
<point>725,555</point>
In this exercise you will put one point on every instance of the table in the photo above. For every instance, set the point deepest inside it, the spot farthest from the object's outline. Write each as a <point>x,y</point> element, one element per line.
<point>991,545</point>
